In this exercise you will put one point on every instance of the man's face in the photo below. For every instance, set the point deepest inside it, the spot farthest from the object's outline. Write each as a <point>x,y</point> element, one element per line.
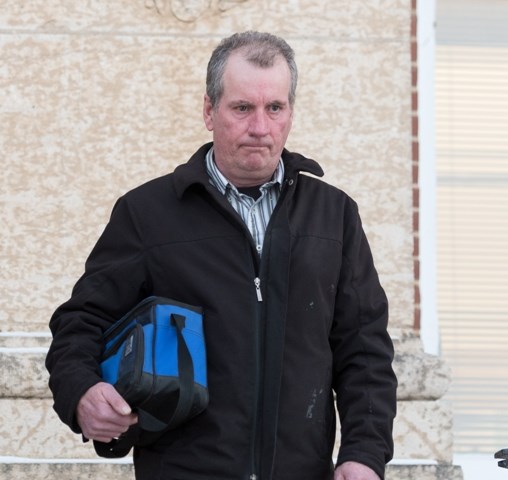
<point>252,120</point>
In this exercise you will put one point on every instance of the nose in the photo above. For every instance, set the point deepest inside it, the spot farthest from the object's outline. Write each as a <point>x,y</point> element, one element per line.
<point>259,124</point>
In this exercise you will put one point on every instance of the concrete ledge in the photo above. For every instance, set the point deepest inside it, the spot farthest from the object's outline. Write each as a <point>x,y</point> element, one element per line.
<point>423,429</point>
<point>37,470</point>
<point>22,357</point>
<point>423,472</point>
<point>25,339</point>
<point>24,374</point>
<point>31,428</point>
<point>421,376</point>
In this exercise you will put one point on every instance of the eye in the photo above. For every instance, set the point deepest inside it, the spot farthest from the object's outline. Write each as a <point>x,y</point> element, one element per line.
<point>242,108</point>
<point>274,108</point>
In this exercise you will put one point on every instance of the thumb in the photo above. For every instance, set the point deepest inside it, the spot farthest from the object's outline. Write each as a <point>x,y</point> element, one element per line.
<point>118,404</point>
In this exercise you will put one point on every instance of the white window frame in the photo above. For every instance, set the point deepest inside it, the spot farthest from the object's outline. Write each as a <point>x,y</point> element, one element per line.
<point>426,35</point>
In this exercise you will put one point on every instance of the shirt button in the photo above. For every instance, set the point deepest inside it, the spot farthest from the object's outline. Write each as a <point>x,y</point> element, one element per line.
<point>259,248</point>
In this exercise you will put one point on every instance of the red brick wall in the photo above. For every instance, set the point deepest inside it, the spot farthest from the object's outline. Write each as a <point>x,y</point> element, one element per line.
<point>415,161</point>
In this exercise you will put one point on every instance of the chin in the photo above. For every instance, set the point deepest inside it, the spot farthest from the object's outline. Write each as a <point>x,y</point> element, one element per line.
<point>258,163</point>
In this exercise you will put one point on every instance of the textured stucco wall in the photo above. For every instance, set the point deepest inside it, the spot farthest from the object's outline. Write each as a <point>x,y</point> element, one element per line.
<point>97,97</point>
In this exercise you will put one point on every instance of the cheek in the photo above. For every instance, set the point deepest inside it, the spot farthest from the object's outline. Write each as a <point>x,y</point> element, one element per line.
<point>232,131</point>
<point>283,131</point>
<point>224,138</point>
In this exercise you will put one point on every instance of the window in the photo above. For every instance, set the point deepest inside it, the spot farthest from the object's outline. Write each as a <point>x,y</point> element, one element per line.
<point>472,216</point>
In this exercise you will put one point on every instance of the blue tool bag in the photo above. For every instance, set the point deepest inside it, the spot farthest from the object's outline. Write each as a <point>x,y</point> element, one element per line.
<point>155,357</point>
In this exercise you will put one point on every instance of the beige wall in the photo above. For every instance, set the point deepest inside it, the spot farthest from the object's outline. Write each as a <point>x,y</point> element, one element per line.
<point>97,97</point>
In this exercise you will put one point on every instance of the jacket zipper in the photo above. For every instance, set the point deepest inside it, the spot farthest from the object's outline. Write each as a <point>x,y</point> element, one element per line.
<point>254,461</point>
<point>257,284</point>
<point>257,379</point>
<point>255,447</point>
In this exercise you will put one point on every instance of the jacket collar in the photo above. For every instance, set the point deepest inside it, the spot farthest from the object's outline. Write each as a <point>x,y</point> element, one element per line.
<point>194,171</point>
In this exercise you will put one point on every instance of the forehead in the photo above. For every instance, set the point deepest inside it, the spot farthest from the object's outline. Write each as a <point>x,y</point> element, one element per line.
<point>242,77</point>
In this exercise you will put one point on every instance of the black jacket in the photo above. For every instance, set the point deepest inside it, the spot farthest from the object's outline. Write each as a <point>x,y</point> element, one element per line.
<point>272,364</point>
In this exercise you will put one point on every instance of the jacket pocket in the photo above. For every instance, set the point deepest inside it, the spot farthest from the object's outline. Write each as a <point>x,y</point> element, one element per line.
<point>130,369</point>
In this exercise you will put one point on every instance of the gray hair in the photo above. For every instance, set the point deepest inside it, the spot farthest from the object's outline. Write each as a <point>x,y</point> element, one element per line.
<point>260,49</point>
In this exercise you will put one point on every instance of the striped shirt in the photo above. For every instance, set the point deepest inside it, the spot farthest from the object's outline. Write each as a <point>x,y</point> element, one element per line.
<point>255,213</point>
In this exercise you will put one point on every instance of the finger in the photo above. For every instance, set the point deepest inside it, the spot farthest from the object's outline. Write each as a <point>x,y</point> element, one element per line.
<point>105,431</point>
<point>102,439</point>
<point>116,401</point>
<point>97,416</point>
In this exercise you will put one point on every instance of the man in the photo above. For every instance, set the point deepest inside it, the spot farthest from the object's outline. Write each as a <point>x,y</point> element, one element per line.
<point>278,260</point>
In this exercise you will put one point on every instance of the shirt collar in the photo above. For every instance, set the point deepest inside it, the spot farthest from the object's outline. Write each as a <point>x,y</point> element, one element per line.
<point>222,183</point>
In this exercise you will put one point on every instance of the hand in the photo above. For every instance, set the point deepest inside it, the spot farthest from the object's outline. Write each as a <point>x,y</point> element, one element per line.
<point>103,414</point>
<point>354,471</point>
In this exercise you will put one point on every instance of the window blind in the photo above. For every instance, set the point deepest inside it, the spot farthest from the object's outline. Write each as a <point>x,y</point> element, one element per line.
<point>471,82</point>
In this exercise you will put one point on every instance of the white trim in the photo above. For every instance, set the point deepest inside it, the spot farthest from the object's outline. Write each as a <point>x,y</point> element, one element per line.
<point>429,332</point>
<point>412,461</point>
<point>25,334</point>
<point>9,350</point>
<point>13,460</point>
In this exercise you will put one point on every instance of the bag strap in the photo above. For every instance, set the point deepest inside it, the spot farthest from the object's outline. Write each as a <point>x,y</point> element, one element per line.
<point>186,376</point>
<point>120,447</point>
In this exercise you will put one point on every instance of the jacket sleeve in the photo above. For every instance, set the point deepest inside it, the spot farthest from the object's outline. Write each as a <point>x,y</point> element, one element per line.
<point>363,378</point>
<point>113,282</point>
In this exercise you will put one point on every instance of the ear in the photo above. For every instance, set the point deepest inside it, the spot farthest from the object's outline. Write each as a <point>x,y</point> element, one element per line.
<point>208,113</point>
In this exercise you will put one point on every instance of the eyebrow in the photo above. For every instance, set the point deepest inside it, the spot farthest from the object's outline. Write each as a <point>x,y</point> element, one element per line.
<point>278,102</point>
<point>234,103</point>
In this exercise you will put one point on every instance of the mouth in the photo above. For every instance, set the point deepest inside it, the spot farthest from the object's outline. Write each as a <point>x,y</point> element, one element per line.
<point>255,146</point>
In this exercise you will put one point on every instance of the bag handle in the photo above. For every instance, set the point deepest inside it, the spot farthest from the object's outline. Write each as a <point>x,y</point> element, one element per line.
<point>186,376</point>
<point>119,447</point>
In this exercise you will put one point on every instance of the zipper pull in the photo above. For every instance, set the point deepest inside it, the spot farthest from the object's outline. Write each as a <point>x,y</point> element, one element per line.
<point>257,283</point>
